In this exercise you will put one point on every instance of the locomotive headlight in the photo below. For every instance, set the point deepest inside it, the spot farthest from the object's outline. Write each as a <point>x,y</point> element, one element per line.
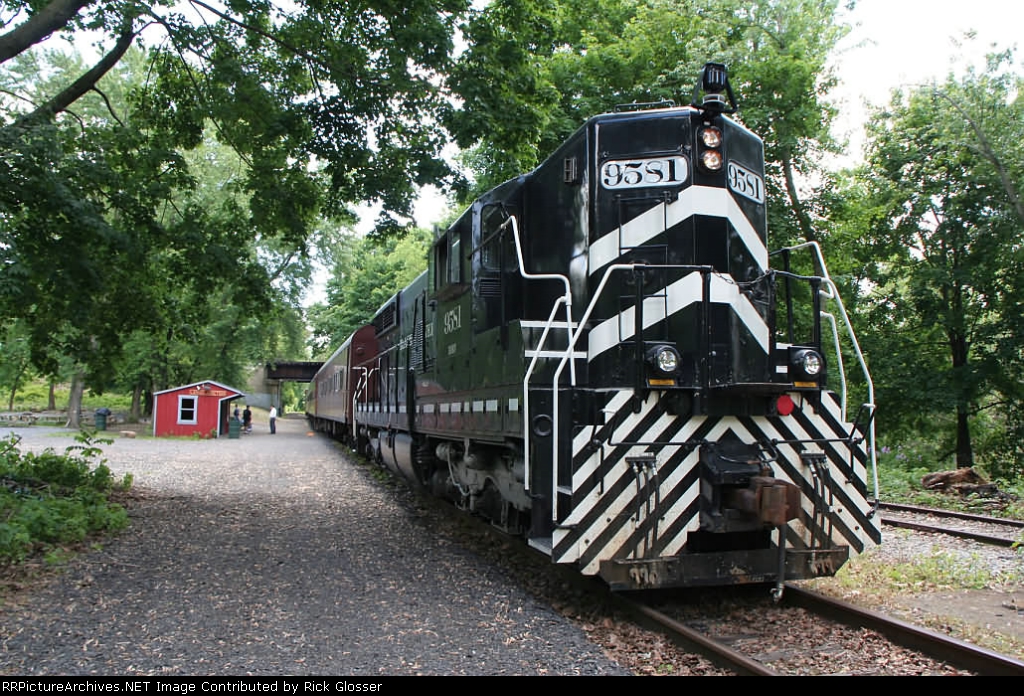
<point>664,358</point>
<point>711,159</point>
<point>811,363</point>
<point>808,363</point>
<point>711,136</point>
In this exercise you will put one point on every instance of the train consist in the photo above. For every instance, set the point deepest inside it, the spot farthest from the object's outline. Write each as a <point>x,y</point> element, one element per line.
<point>600,359</point>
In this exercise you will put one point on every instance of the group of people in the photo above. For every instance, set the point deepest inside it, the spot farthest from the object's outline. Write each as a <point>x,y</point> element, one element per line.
<point>246,418</point>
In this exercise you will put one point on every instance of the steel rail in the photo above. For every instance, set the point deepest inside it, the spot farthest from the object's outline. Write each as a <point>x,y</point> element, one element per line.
<point>952,514</point>
<point>958,533</point>
<point>937,645</point>
<point>690,639</point>
<point>899,507</point>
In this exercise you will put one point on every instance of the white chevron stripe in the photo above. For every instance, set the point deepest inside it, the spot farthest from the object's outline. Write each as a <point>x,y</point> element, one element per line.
<point>830,402</point>
<point>842,511</point>
<point>793,455</point>
<point>675,545</point>
<point>696,200</point>
<point>821,429</point>
<point>622,431</point>
<point>626,498</point>
<point>681,294</point>
<point>611,509</point>
<point>617,401</point>
<point>624,503</point>
<point>726,292</point>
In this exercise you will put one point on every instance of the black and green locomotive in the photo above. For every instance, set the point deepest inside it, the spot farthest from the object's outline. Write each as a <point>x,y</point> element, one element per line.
<point>599,358</point>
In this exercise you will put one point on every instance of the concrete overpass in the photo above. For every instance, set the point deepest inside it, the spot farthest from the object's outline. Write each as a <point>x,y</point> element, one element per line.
<point>263,389</point>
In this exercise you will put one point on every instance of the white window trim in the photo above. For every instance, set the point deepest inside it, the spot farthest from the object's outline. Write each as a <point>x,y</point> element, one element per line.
<point>195,409</point>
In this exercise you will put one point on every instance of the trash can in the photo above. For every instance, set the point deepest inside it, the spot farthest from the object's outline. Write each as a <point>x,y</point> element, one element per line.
<point>234,428</point>
<point>101,417</point>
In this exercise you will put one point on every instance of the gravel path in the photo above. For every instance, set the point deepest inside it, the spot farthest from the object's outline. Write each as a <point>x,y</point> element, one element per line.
<point>274,555</point>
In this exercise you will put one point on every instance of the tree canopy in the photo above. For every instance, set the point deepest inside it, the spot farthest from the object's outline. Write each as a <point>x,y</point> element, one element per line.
<point>940,216</point>
<point>535,70</point>
<point>183,176</point>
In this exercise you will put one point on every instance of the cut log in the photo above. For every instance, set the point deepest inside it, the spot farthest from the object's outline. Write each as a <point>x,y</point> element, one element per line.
<point>942,480</point>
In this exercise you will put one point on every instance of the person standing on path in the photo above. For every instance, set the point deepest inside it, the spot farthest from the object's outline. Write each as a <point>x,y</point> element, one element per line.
<point>247,419</point>
<point>273,419</point>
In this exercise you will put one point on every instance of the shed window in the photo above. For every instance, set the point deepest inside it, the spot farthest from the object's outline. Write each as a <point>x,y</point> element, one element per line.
<point>187,410</point>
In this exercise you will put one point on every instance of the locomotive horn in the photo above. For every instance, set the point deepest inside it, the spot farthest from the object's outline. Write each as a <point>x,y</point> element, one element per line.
<point>714,82</point>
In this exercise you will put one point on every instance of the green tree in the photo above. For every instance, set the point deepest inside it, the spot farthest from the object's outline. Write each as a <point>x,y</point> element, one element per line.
<point>15,359</point>
<point>535,70</point>
<point>941,179</point>
<point>361,282</point>
<point>102,212</point>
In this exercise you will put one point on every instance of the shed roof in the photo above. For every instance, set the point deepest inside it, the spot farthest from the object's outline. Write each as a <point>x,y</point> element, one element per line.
<point>199,384</point>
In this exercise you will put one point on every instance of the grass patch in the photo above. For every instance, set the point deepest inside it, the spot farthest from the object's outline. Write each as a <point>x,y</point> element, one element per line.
<point>937,569</point>
<point>35,396</point>
<point>887,585</point>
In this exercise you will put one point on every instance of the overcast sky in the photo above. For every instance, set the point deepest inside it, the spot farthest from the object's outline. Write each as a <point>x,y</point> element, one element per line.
<point>913,42</point>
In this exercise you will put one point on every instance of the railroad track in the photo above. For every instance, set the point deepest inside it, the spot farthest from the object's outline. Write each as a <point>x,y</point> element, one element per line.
<point>988,530</point>
<point>772,639</point>
<point>811,634</point>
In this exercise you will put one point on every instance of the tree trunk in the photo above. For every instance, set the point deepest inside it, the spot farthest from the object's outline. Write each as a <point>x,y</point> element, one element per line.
<point>75,400</point>
<point>958,349</point>
<point>48,19</point>
<point>795,204</point>
<point>990,153</point>
<point>137,403</point>
<point>14,387</point>
<point>51,401</point>
<point>83,84</point>
<point>964,454</point>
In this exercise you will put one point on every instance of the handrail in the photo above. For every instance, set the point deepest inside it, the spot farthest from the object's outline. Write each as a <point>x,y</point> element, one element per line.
<point>564,299</point>
<point>574,337</point>
<point>839,361</point>
<point>828,290</point>
<point>831,291</point>
<point>567,297</point>
<point>364,381</point>
<point>526,391</point>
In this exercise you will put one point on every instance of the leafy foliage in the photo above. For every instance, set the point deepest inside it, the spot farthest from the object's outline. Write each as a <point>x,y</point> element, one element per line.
<point>173,194</point>
<point>535,70</point>
<point>48,499</point>
<point>901,469</point>
<point>363,280</point>
<point>942,258</point>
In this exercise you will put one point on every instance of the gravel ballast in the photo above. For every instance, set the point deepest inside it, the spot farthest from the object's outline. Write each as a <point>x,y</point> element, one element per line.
<point>277,555</point>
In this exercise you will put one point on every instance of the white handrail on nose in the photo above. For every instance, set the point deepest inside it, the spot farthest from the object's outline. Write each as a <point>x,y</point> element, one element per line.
<point>830,291</point>
<point>565,299</point>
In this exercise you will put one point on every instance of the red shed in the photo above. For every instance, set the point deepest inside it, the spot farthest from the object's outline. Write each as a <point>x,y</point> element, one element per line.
<point>202,408</point>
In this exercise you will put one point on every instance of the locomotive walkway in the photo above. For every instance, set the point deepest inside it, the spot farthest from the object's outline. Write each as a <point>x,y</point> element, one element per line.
<point>276,555</point>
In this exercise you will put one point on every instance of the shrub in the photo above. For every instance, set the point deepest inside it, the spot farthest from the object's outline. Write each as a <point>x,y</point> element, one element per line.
<point>48,499</point>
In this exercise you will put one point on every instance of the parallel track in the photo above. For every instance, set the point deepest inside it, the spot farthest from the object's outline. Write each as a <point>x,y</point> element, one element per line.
<point>936,646</point>
<point>1013,527</point>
